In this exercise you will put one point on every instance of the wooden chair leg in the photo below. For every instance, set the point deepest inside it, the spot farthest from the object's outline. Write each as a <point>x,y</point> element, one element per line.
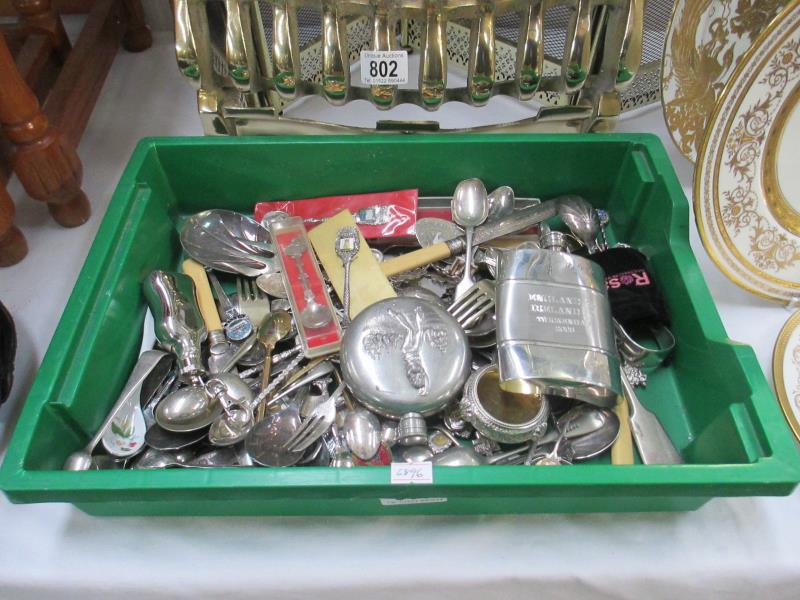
<point>137,34</point>
<point>13,246</point>
<point>40,16</point>
<point>46,165</point>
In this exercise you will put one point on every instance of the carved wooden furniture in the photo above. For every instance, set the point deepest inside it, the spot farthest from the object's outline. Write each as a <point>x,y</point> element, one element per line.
<point>13,246</point>
<point>41,141</point>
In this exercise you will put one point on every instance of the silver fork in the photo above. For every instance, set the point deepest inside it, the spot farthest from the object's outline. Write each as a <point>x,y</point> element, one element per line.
<point>318,422</point>
<point>470,308</point>
<point>252,301</point>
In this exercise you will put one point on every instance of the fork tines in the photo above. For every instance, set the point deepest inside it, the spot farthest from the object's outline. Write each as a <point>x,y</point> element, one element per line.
<point>318,422</point>
<point>306,435</point>
<point>474,304</point>
<point>252,301</point>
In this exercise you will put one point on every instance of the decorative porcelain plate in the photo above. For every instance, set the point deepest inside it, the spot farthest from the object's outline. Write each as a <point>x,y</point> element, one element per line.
<point>786,371</point>
<point>747,180</point>
<point>705,42</point>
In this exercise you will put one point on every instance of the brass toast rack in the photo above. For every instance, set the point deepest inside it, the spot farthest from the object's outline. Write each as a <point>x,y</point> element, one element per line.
<point>580,62</point>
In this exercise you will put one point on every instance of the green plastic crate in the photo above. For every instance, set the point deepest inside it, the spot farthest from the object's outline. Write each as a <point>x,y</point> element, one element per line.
<point>713,398</point>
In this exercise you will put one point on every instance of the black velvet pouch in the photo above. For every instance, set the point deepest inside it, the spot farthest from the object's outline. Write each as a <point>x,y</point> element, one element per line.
<point>636,300</point>
<point>8,348</point>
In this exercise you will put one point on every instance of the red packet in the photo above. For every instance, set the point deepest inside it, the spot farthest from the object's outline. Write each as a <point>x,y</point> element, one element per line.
<point>303,280</point>
<point>382,215</point>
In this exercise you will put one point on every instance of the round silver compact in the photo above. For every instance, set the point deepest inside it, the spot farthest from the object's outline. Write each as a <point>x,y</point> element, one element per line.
<point>405,355</point>
<point>499,415</point>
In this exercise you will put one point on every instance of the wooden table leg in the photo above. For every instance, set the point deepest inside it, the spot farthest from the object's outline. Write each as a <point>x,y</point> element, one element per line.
<point>46,165</point>
<point>137,34</point>
<point>13,246</point>
<point>39,16</point>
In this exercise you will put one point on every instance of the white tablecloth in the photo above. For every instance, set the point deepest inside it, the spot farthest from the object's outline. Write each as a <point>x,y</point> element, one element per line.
<point>731,548</point>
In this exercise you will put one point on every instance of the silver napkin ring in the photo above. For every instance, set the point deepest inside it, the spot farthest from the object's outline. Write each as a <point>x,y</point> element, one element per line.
<point>640,355</point>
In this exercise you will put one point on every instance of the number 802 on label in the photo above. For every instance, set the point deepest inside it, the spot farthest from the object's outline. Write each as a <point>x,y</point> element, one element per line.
<point>384,67</point>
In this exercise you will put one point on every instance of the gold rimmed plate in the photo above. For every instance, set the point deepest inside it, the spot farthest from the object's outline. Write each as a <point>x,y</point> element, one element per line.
<point>786,371</point>
<point>747,179</point>
<point>705,43</point>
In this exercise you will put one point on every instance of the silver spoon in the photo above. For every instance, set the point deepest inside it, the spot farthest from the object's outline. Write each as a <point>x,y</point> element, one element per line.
<point>81,460</point>
<point>266,440</point>
<point>362,430</point>
<point>228,241</point>
<point>243,456</point>
<point>470,209</point>
<point>125,435</point>
<point>155,388</point>
<point>233,425</point>
<point>416,454</point>
<point>579,420</point>
<point>272,329</point>
<point>347,245</point>
<point>314,315</point>
<point>389,433</point>
<point>195,407</point>
<point>341,457</point>
<point>187,409</point>
<point>157,459</point>
<point>221,457</point>
<point>581,219</point>
<point>272,284</point>
<point>554,457</point>
<point>460,455</point>
<point>594,443</point>
<point>160,439</point>
<point>501,203</point>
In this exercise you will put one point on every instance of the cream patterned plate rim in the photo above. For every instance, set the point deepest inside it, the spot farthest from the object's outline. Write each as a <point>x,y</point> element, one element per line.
<point>748,226</point>
<point>705,42</point>
<point>786,371</point>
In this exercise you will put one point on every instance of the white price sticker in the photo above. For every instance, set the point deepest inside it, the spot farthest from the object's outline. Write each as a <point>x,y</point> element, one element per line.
<point>410,501</point>
<point>384,67</point>
<point>405,473</point>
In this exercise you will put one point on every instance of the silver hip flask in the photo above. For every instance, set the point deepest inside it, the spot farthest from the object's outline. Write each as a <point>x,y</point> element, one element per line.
<point>554,328</point>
